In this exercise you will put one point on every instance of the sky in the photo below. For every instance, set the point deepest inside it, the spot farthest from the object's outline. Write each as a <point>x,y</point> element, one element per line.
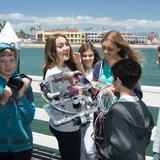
<point>97,15</point>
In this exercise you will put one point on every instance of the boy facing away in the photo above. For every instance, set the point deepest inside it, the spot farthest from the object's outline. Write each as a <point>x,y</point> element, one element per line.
<point>129,123</point>
<point>16,109</point>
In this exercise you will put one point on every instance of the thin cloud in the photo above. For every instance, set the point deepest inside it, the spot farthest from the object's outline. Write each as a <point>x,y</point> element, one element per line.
<point>21,21</point>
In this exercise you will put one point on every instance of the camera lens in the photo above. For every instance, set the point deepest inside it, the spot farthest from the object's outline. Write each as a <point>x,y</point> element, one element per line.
<point>76,102</point>
<point>15,83</point>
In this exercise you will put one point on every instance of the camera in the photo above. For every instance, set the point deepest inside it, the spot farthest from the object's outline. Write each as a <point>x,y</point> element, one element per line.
<point>15,82</point>
<point>76,102</point>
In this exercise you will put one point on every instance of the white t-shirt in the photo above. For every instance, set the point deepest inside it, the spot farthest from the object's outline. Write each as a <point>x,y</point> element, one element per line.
<point>89,74</point>
<point>128,98</point>
<point>67,127</point>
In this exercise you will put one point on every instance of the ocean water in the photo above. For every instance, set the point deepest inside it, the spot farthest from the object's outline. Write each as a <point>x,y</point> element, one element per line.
<point>31,60</point>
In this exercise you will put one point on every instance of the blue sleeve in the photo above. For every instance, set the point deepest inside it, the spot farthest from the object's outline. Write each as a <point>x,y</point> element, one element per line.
<point>96,70</point>
<point>26,106</point>
<point>3,83</point>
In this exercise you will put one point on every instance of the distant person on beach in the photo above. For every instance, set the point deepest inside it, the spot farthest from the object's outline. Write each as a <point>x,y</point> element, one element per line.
<point>90,56</point>
<point>59,58</point>
<point>17,108</point>
<point>158,57</point>
<point>128,124</point>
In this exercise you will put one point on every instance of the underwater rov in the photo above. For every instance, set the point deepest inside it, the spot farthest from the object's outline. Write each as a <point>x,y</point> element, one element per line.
<point>76,102</point>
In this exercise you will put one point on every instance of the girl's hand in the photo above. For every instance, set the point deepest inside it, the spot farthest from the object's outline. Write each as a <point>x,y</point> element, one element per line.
<point>78,62</point>
<point>111,88</point>
<point>98,86</point>
<point>77,59</point>
<point>70,77</point>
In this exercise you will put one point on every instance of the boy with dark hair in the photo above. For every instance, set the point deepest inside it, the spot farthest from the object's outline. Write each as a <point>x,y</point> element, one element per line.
<point>128,124</point>
<point>16,108</point>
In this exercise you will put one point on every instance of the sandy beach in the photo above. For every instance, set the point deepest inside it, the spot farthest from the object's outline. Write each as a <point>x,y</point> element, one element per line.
<point>36,45</point>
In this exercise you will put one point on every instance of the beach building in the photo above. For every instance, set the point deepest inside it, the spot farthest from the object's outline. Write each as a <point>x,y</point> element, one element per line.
<point>72,34</point>
<point>78,37</point>
<point>132,38</point>
<point>156,40</point>
<point>94,37</point>
<point>129,37</point>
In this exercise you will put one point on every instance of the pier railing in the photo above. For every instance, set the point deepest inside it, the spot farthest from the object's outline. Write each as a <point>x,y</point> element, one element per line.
<point>151,96</point>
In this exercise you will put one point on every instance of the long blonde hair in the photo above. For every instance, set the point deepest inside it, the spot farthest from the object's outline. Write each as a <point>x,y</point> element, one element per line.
<point>125,50</point>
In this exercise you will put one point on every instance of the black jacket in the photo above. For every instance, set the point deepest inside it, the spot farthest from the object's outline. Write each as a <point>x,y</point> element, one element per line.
<point>127,131</point>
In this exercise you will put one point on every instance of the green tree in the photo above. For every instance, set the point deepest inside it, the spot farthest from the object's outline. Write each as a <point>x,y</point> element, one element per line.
<point>35,28</point>
<point>2,24</point>
<point>22,34</point>
<point>32,29</point>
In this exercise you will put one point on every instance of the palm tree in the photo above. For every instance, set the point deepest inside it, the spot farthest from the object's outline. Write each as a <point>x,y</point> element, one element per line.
<point>39,27</point>
<point>2,24</point>
<point>32,29</point>
<point>22,34</point>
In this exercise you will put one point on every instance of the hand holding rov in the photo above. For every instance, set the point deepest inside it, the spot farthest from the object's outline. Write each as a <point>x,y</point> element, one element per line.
<point>70,76</point>
<point>98,86</point>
